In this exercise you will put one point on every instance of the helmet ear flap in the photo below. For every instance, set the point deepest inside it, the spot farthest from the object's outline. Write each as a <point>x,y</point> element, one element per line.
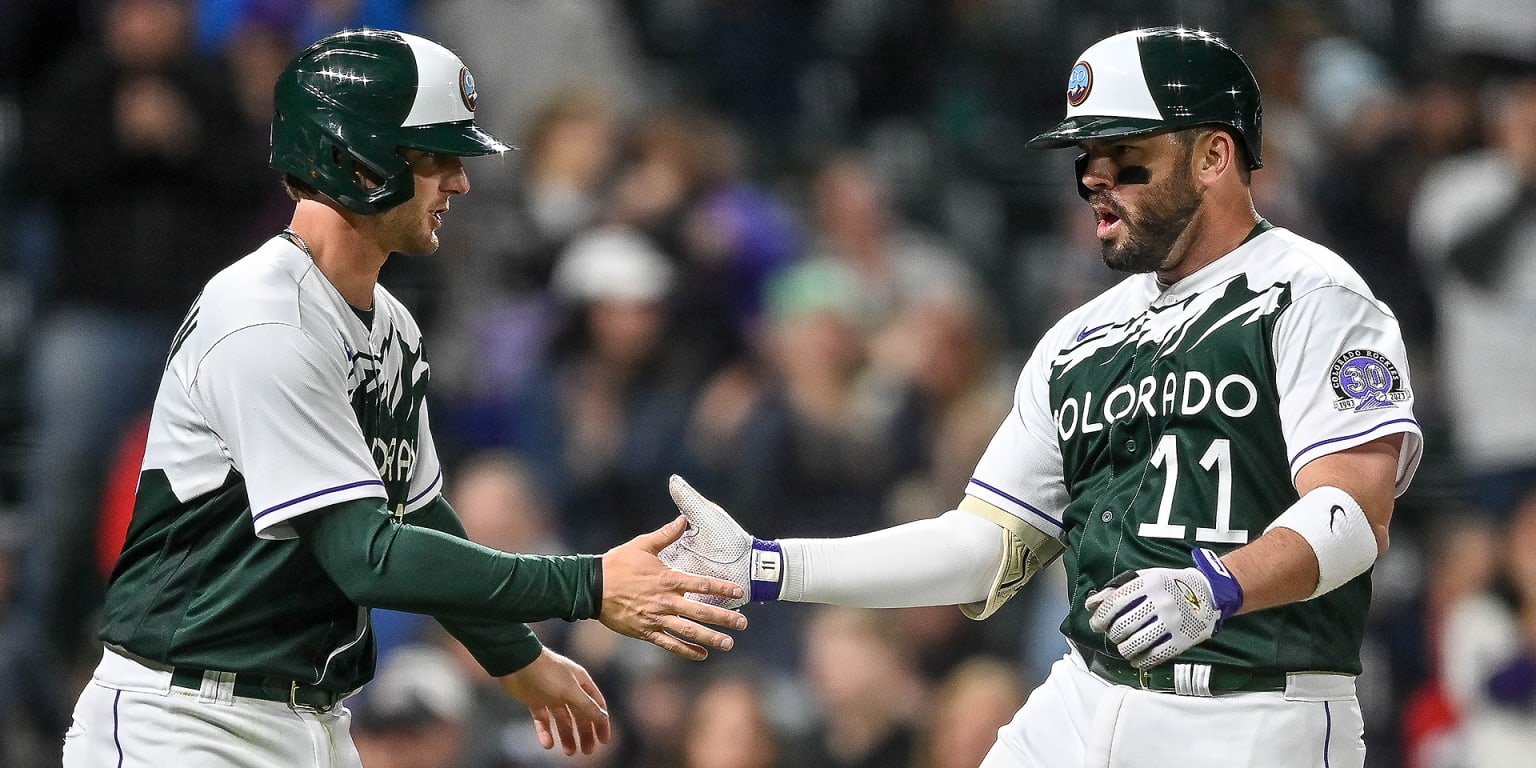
<point>363,183</point>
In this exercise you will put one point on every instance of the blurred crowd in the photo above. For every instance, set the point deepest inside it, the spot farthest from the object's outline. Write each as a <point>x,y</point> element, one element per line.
<point>794,251</point>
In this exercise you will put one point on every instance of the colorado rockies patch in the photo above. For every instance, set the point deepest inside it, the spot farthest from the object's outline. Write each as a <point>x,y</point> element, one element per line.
<point>1364,380</point>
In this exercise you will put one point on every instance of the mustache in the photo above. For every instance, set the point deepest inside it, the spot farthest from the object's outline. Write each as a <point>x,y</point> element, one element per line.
<point>1106,200</point>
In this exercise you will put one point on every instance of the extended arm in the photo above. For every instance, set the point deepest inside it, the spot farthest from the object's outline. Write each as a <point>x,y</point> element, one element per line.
<point>382,562</point>
<point>971,556</point>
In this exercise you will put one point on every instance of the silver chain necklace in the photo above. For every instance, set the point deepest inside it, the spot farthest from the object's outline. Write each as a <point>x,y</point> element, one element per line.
<point>293,237</point>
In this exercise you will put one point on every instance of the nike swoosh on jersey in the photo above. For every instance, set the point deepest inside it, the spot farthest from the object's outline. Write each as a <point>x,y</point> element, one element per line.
<point>1086,332</point>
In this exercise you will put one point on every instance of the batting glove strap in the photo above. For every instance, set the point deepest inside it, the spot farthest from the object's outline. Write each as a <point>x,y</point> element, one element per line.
<point>767,570</point>
<point>1227,593</point>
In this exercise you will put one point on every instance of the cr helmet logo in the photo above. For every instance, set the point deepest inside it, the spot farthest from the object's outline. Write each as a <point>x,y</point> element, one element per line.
<point>467,88</point>
<point>1364,380</point>
<point>1079,83</point>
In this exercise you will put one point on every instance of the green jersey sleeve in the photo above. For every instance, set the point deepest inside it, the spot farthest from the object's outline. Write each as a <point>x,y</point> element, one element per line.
<point>381,561</point>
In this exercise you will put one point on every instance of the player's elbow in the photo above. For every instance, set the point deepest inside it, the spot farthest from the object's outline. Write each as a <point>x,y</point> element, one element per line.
<point>977,547</point>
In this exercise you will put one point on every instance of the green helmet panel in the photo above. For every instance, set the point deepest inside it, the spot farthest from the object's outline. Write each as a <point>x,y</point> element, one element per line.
<point>344,107</point>
<point>1158,79</point>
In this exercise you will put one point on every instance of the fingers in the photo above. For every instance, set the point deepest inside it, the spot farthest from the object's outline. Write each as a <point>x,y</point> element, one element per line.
<point>602,728</point>
<point>669,643</point>
<point>709,614</point>
<point>701,512</point>
<point>586,708</point>
<point>696,634</point>
<point>1103,610</point>
<point>541,727</point>
<point>684,496</point>
<point>1110,603</point>
<point>1143,642</point>
<point>1093,601</point>
<point>706,585</point>
<point>565,725</point>
<point>657,540</point>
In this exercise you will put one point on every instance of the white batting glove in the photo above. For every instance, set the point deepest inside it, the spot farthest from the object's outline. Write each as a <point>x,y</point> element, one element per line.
<point>715,545</point>
<point>1155,614</point>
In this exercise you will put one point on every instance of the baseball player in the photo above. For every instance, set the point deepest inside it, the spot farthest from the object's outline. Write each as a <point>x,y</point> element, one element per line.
<point>1214,446</point>
<point>290,481</point>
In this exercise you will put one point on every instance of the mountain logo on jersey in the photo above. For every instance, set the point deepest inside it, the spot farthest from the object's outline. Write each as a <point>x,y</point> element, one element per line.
<point>1117,373</point>
<point>1168,328</point>
<point>387,401</point>
<point>1365,380</point>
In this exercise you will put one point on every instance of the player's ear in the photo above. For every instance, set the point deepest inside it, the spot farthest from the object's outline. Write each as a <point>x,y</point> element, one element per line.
<point>1215,153</point>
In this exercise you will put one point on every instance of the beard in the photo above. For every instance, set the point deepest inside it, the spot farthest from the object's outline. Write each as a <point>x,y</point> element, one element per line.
<point>406,233</point>
<point>1151,233</point>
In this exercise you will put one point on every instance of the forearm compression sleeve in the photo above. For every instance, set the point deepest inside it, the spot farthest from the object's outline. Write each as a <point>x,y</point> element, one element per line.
<point>382,562</point>
<point>947,560</point>
<point>500,646</point>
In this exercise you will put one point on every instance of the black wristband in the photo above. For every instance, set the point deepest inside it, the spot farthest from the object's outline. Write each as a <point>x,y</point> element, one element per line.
<point>597,586</point>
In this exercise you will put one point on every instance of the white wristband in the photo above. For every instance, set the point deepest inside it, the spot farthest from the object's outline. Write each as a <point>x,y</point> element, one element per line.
<point>1338,531</point>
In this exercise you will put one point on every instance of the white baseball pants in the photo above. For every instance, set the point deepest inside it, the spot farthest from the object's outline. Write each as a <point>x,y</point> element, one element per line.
<point>130,716</point>
<point>1076,718</point>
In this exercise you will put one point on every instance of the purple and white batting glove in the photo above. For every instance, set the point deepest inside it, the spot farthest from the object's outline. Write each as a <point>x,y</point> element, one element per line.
<point>1155,614</point>
<point>715,545</point>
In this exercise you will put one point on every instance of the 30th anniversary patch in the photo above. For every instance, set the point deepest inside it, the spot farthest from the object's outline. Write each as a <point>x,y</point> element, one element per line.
<point>1364,380</point>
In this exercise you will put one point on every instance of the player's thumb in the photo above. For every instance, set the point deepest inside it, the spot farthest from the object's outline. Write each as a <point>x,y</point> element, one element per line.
<point>700,511</point>
<point>657,540</point>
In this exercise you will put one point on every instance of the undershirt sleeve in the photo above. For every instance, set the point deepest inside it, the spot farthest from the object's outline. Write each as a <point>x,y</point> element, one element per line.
<point>501,647</point>
<point>381,562</point>
<point>947,560</point>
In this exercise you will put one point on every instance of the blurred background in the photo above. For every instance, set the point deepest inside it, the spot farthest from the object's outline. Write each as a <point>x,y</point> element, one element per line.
<point>793,250</point>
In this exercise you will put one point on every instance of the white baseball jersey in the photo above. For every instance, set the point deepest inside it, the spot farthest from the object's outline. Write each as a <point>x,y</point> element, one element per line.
<point>1154,420</point>
<point>278,399</point>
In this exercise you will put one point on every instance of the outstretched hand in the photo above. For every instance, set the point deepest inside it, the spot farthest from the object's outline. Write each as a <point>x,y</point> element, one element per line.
<point>645,599</point>
<point>715,544</point>
<point>563,700</point>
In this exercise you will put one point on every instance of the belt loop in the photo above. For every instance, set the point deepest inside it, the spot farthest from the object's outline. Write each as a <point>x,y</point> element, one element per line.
<point>217,688</point>
<point>1192,679</point>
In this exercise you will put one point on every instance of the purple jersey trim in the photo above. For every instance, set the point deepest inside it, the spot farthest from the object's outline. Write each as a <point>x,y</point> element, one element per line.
<point>308,496</point>
<point>430,487</point>
<point>1019,502</point>
<point>1321,443</point>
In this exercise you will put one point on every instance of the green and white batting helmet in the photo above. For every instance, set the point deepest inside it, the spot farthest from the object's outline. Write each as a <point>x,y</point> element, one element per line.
<point>344,106</point>
<point>1158,79</point>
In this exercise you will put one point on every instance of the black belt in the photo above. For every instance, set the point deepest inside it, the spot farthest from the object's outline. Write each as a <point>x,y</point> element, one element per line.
<point>1223,679</point>
<point>290,692</point>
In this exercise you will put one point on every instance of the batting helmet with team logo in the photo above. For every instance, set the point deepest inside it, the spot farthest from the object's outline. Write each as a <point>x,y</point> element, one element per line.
<point>347,104</point>
<point>1158,79</point>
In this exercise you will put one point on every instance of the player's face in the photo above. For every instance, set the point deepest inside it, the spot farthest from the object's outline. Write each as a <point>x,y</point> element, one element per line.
<point>411,228</point>
<point>1144,197</point>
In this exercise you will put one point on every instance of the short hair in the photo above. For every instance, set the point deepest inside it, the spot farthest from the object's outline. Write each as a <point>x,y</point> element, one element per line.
<point>1186,139</point>
<point>298,189</point>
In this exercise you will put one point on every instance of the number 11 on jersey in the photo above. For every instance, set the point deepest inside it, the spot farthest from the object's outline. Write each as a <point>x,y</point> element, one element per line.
<point>1219,458</point>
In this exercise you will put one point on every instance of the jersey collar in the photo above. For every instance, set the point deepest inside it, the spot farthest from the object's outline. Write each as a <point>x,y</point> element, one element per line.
<point>1221,270</point>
